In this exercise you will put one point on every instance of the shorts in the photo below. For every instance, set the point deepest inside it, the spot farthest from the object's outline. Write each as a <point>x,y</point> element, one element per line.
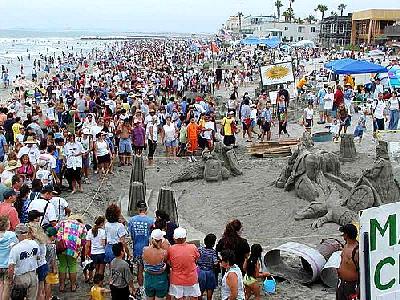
<point>328,112</point>
<point>98,259</point>
<point>67,264</point>
<point>180,291</point>
<point>229,140</point>
<point>173,143</point>
<point>103,159</point>
<point>125,146</point>
<point>73,174</point>
<point>266,127</point>
<point>108,255</point>
<point>28,281</point>
<point>253,123</point>
<point>346,290</point>
<point>156,285</point>
<point>119,293</point>
<point>85,162</point>
<point>42,272</point>
<point>207,280</point>
<point>308,123</point>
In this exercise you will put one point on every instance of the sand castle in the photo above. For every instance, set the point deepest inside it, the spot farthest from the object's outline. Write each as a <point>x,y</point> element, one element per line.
<point>315,176</point>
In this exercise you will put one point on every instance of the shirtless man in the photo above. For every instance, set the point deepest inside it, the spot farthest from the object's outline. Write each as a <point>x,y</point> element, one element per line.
<point>125,143</point>
<point>348,272</point>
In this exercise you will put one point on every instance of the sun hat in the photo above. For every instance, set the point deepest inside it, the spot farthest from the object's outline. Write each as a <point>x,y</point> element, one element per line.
<point>180,233</point>
<point>157,234</point>
<point>12,165</point>
<point>76,217</point>
<point>30,140</point>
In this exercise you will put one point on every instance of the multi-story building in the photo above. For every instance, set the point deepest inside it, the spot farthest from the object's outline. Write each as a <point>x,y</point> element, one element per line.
<point>233,24</point>
<point>335,31</point>
<point>368,26</point>
<point>265,26</point>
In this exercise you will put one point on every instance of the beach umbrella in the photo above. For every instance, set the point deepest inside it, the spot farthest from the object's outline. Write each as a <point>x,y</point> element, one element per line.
<point>271,42</point>
<point>304,44</point>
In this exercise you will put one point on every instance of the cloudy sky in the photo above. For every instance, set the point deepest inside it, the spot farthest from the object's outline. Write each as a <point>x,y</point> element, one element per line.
<point>151,15</point>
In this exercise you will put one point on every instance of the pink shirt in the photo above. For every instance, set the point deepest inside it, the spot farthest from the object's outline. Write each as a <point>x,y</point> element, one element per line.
<point>6,209</point>
<point>182,258</point>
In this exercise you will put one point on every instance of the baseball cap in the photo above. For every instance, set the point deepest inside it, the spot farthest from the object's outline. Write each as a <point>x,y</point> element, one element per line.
<point>46,189</point>
<point>21,229</point>
<point>350,230</point>
<point>141,205</point>
<point>8,193</point>
<point>180,233</point>
<point>157,234</point>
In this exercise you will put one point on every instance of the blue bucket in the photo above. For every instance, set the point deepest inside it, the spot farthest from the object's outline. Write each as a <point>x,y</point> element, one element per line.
<point>269,285</point>
<point>320,137</point>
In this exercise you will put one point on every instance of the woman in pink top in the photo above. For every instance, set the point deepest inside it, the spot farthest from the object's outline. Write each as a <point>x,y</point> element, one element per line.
<point>182,258</point>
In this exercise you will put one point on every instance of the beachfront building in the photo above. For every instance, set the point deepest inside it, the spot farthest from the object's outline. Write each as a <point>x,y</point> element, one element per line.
<point>392,33</point>
<point>335,31</point>
<point>267,26</point>
<point>368,26</point>
<point>232,24</point>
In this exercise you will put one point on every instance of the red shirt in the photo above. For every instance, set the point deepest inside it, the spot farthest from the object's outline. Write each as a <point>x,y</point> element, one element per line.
<point>6,209</point>
<point>182,258</point>
<point>339,98</point>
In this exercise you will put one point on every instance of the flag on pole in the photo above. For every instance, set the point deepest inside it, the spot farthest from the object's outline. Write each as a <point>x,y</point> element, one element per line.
<point>214,47</point>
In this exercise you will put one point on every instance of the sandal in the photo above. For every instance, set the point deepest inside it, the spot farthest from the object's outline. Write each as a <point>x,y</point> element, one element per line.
<point>61,289</point>
<point>73,289</point>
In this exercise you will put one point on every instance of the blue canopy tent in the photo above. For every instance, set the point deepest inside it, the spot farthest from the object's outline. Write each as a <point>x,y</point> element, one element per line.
<point>271,42</point>
<point>357,67</point>
<point>338,62</point>
<point>251,41</point>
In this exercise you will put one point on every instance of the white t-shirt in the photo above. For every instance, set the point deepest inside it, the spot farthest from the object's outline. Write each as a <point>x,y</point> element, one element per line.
<point>328,101</point>
<point>97,246</point>
<point>44,176</point>
<point>51,160</point>
<point>39,205</point>
<point>24,256</point>
<point>154,136</point>
<point>114,231</point>
<point>101,148</point>
<point>380,109</point>
<point>208,134</point>
<point>169,132</point>
<point>394,104</point>
<point>70,150</point>
<point>309,113</point>
<point>42,254</point>
<point>59,205</point>
<point>33,153</point>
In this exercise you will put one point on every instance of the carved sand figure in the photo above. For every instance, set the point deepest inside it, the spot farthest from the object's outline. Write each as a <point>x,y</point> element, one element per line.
<point>217,165</point>
<point>315,176</point>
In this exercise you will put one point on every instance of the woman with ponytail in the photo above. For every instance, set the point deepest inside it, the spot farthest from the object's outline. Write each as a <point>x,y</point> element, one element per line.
<point>232,240</point>
<point>154,260</point>
<point>96,243</point>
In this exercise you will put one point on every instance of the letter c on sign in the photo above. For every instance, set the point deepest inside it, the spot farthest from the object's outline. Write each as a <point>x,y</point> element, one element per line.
<point>377,277</point>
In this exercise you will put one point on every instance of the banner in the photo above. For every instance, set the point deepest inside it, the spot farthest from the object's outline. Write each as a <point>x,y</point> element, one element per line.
<point>277,73</point>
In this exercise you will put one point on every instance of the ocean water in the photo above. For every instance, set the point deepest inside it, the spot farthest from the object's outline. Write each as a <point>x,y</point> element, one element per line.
<point>20,47</point>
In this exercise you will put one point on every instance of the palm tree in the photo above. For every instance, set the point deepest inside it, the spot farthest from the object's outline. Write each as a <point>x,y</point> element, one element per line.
<point>289,15</point>
<point>240,15</point>
<point>278,4</point>
<point>322,9</point>
<point>311,19</point>
<point>341,8</point>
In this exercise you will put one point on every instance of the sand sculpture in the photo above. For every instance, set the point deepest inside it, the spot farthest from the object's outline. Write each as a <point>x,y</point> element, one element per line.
<point>217,165</point>
<point>315,176</point>
<point>137,192</point>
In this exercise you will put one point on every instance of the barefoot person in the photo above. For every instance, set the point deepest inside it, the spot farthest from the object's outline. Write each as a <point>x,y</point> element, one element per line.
<point>348,272</point>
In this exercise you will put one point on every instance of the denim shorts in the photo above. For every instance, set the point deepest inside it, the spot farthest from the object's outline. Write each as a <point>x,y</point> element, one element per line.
<point>125,146</point>
<point>108,255</point>
<point>173,143</point>
<point>98,259</point>
<point>42,272</point>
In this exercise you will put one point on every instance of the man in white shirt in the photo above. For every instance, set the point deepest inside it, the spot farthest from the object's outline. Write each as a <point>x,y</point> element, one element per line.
<point>73,152</point>
<point>380,113</point>
<point>23,262</point>
<point>30,147</point>
<point>44,206</point>
<point>208,132</point>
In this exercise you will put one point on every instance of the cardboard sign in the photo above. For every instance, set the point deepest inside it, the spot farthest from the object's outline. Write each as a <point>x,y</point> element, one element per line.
<point>277,73</point>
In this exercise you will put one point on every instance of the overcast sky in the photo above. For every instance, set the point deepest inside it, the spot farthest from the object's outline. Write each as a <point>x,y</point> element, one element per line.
<point>151,15</point>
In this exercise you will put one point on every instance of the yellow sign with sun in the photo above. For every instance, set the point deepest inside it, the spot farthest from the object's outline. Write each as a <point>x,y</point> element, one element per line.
<point>277,73</point>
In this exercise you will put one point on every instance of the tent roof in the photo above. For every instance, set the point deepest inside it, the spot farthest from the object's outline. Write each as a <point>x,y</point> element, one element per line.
<point>352,66</point>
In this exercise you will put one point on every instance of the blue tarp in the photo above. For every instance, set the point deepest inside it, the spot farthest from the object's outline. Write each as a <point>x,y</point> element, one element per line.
<point>271,42</point>
<point>352,66</point>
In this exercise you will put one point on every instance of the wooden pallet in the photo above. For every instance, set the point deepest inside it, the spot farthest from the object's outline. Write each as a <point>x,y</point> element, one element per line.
<point>271,151</point>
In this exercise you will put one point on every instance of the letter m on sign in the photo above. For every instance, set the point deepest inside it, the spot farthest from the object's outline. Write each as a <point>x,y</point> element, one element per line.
<point>389,225</point>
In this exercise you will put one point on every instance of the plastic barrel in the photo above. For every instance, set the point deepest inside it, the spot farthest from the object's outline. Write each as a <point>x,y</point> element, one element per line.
<point>299,263</point>
<point>329,274</point>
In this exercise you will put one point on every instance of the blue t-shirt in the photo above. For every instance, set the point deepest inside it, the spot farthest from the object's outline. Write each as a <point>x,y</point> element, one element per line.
<point>139,229</point>
<point>6,240</point>
<point>3,143</point>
